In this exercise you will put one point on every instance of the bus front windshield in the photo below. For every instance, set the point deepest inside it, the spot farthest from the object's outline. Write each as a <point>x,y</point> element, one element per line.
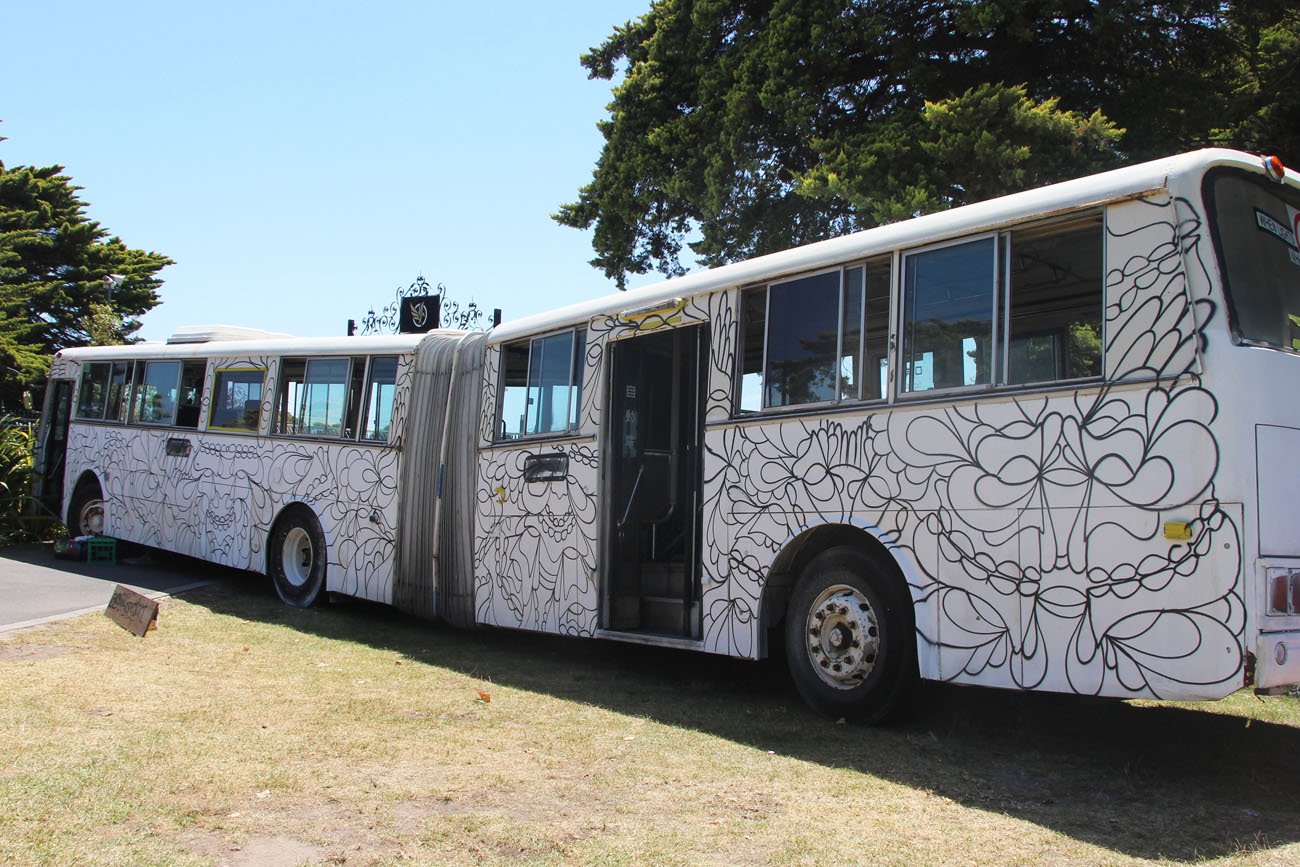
<point>1256,222</point>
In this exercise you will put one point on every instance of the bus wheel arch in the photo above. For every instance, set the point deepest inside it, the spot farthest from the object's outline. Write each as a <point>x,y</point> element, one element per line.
<point>849,625</point>
<point>86,509</point>
<point>794,558</point>
<point>297,555</point>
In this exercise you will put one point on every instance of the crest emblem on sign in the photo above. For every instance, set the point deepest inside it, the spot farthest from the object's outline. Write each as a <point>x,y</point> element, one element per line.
<point>419,314</point>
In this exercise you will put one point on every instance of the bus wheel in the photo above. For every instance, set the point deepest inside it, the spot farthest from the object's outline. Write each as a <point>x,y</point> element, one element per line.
<point>849,638</point>
<point>297,555</point>
<point>86,512</point>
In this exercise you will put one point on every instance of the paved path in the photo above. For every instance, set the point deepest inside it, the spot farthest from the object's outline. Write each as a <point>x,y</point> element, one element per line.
<point>35,587</point>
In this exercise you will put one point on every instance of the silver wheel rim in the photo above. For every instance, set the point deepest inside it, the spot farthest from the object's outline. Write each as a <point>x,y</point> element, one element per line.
<point>842,636</point>
<point>297,556</point>
<point>91,518</point>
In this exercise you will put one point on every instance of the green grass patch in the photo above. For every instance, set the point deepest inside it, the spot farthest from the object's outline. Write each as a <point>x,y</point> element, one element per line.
<point>244,732</point>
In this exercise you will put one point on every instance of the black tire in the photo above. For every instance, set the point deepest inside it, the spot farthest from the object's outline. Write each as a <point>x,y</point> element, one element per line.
<point>850,638</point>
<point>296,556</point>
<point>86,511</point>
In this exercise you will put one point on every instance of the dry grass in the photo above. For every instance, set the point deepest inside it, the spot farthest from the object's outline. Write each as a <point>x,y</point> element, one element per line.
<point>242,732</point>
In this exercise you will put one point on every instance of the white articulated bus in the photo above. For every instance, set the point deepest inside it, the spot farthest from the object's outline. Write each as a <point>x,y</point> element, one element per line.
<point>1041,442</point>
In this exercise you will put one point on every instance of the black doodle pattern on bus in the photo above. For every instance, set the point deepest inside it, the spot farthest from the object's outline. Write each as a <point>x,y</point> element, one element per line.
<point>488,407</point>
<point>219,502</point>
<point>603,329</point>
<point>1151,328</point>
<point>536,544</point>
<point>1066,489</point>
<point>1033,525</point>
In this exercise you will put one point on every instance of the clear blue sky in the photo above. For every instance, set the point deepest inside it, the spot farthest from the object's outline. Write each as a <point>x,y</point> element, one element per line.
<point>302,160</point>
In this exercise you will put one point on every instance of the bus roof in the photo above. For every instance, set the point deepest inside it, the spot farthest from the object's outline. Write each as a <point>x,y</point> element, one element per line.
<point>368,345</point>
<point>1003,211</point>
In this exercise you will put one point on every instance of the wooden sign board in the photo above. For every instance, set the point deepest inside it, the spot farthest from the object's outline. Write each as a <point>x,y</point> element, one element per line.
<point>132,611</point>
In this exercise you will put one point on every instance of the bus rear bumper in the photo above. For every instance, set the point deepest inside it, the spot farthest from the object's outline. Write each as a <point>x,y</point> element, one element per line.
<point>1277,661</point>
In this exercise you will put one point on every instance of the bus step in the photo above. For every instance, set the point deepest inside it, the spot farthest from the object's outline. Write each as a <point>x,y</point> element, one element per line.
<point>663,579</point>
<point>626,613</point>
<point>665,614</point>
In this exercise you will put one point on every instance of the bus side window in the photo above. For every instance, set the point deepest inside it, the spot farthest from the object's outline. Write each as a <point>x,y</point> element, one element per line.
<point>803,322</point>
<point>753,330</point>
<point>192,373</point>
<point>879,277</point>
<point>237,400</point>
<point>514,390</point>
<point>355,386</point>
<point>288,400</point>
<point>815,339</point>
<point>92,396</point>
<point>541,384</point>
<point>154,400</point>
<point>119,388</point>
<point>380,389</point>
<point>949,296</point>
<point>325,396</point>
<point>1056,281</point>
<point>313,396</point>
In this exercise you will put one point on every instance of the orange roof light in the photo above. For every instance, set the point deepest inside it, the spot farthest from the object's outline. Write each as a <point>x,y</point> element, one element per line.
<point>1275,169</point>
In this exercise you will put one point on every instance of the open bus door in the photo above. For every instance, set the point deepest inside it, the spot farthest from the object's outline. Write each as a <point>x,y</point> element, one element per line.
<point>656,412</point>
<point>52,449</point>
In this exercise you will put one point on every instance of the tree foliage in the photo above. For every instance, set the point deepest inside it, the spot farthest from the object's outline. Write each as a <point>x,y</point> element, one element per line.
<point>53,265</point>
<point>747,126</point>
<point>17,439</point>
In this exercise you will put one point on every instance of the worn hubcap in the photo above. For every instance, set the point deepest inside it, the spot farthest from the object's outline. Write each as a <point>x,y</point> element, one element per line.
<point>843,638</point>
<point>91,518</point>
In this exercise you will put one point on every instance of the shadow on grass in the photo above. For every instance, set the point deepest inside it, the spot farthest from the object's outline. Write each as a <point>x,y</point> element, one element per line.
<point>1180,783</point>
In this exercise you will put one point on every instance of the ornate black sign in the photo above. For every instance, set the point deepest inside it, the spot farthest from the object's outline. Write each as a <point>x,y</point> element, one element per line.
<point>419,314</point>
<point>403,313</point>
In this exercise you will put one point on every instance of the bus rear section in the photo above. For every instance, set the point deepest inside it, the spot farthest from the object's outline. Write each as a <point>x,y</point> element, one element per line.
<point>1254,220</point>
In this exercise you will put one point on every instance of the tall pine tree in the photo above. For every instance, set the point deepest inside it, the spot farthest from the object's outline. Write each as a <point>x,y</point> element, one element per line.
<point>53,268</point>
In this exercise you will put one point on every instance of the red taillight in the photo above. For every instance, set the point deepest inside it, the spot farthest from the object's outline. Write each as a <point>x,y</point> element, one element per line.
<point>1273,165</point>
<point>1279,591</point>
<point>1284,591</point>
